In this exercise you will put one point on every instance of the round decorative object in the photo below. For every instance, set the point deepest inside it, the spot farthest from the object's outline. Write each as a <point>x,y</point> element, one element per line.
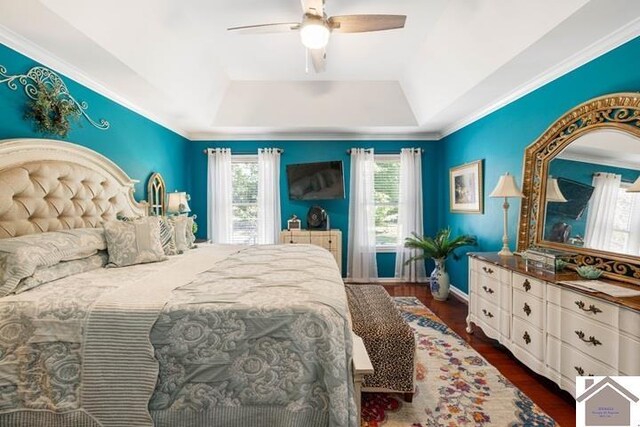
<point>317,218</point>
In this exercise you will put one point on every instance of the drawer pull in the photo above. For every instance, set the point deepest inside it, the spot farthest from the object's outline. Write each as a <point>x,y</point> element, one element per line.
<point>487,270</point>
<point>487,313</point>
<point>591,340</point>
<point>526,309</point>
<point>487,290</point>
<point>526,337</point>
<point>290,241</point>
<point>526,285</point>
<point>592,308</point>
<point>580,371</point>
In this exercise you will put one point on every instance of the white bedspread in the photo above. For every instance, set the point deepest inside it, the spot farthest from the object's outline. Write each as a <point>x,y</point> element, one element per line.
<point>250,341</point>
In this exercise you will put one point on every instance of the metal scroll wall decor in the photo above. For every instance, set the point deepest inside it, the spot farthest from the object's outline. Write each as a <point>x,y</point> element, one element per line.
<point>619,111</point>
<point>41,77</point>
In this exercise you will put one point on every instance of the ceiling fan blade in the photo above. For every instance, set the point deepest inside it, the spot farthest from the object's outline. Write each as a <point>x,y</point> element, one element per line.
<point>319,59</point>
<point>366,23</point>
<point>283,27</point>
<point>314,7</point>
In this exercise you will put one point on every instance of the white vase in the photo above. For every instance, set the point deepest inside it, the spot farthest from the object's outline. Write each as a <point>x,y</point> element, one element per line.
<point>440,281</point>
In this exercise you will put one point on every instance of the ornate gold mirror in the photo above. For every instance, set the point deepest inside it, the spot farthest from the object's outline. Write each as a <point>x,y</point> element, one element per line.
<point>156,194</point>
<point>579,187</point>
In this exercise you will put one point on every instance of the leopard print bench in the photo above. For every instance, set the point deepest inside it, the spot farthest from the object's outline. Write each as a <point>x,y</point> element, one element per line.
<point>389,341</point>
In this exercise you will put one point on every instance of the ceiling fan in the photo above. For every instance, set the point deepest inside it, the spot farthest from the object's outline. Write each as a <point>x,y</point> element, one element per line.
<point>316,28</point>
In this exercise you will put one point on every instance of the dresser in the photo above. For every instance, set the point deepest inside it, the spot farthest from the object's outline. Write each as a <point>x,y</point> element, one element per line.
<point>331,240</point>
<point>558,331</point>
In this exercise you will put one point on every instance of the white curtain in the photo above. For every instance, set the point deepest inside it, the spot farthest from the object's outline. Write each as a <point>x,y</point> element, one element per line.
<point>269,220</point>
<point>633,245</point>
<point>602,211</point>
<point>409,215</point>
<point>219,196</point>
<point>361,248</point>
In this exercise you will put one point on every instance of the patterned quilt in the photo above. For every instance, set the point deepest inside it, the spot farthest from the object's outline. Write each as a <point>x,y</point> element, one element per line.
<point>261,338</point>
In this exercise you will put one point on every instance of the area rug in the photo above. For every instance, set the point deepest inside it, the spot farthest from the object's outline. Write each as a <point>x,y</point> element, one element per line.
<point>455,386</point>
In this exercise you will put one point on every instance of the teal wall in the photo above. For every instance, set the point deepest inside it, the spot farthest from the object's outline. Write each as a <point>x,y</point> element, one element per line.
<point>317,151</point>
<point>501,137</point>
<point>136,144</point>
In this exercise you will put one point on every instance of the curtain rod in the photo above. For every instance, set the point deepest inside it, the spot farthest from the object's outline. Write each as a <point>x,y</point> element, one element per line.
<point>626,181</point>
<point>243,153</point>
<point>387,152</point>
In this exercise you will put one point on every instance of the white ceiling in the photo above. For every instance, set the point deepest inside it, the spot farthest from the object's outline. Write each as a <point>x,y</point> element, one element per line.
<point>605,147</point>
<point>455,61</point>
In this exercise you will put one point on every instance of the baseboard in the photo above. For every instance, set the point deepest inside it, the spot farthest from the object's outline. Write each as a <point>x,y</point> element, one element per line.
<point>459,295</point>
<point>385,281</point>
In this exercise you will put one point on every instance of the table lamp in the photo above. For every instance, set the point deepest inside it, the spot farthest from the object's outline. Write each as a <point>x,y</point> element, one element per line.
<point>553,191</point>
<point>506,188</point>
<point>178,203</point>
<point>635,187</point>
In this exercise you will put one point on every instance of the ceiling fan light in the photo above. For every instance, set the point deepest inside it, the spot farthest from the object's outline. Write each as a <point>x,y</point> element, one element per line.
<point>314,35</point>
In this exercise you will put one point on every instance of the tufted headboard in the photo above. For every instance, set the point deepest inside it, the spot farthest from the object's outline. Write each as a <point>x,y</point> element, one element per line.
<point>48,185</point>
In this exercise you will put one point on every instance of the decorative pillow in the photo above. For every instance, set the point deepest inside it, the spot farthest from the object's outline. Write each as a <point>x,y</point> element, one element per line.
<point>133,242</point>
<point>180,224</point>
<point>21,256</point>
<point>167,237</point>
<point>44,275</point>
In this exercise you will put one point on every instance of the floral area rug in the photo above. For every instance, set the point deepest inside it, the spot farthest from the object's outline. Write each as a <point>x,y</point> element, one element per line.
<point>455,386</point>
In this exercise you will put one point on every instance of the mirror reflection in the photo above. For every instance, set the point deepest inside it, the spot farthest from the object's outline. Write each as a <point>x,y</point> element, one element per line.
<point>592,201</point>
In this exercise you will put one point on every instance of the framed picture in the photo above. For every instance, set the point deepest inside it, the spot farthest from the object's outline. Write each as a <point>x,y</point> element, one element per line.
<point>466,189</point>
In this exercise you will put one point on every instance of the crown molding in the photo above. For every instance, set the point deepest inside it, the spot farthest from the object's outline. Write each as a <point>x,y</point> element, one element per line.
<point>598,160</point>
<point>313,135</point>
<point>588,54</point>
<point>38,54</point>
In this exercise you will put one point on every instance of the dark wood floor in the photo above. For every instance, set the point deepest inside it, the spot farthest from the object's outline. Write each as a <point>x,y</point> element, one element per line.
<point>557,403</point>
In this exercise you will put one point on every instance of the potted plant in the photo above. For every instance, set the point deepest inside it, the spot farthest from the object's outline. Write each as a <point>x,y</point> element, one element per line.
<point>438,248</point>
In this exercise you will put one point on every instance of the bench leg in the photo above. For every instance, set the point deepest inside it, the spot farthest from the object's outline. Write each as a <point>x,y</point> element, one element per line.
<point>408,397</point>
<point>357,385</point>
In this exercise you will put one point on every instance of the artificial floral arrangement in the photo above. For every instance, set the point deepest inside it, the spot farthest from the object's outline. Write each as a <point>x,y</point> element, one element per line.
<point>52,114</point>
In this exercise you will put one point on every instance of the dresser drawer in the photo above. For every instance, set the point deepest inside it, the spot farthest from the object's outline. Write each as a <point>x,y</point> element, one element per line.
<point>488,287</point>
<point>491,271</point>
<point>488,312</point>
<point>570,363</point>
<point>528,338</point>
<point>323,239</point>
<point>529,308</point>
<point>596,340</point>
<point>590,308</point>
<point>630,322</point>
<point>528,284</point>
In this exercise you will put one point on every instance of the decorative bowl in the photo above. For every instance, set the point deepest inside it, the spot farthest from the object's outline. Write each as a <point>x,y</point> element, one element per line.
<point>589,272</point>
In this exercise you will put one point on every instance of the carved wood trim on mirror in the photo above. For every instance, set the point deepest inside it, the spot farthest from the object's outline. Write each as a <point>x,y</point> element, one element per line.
<point>156,193</point>
<point>619,112</point>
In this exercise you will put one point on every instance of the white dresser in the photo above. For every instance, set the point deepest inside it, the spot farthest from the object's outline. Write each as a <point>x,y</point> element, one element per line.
<point>331,240</point>
<point>556,331</point>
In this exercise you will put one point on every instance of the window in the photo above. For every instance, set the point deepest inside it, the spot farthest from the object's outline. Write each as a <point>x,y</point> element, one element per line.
<point>386,184</point>
<point>627,208</point>
<point>245,199</point>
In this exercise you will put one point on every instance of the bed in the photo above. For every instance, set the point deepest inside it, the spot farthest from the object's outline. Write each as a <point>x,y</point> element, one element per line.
<point>220,335</point>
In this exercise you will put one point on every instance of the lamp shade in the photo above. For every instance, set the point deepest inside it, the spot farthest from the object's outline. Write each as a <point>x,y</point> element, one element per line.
<point>635,187</point>
<point>506,187</point>
<point>178,203</point>
<point>553,191</point>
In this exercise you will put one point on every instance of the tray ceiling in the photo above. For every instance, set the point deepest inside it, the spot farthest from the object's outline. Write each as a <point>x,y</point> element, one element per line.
<point>455,60</point>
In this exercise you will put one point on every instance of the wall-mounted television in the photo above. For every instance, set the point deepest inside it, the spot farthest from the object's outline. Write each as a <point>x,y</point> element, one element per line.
<point>577,195</point>
<point>316,181</point>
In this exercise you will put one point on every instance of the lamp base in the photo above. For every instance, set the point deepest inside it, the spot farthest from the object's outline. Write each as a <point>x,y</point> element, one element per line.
<point>505,252</point>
